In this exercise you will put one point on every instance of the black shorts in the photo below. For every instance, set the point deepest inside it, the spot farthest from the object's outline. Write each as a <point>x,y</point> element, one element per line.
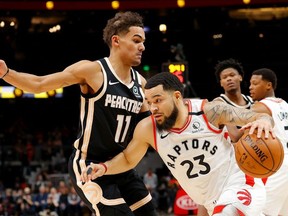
<point>113,194</point>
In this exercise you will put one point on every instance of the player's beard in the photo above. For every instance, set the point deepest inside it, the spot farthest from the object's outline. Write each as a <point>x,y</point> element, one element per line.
<point>169,121</point>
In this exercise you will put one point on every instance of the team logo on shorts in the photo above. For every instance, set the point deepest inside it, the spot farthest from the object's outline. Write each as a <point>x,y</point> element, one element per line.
<point>244,196</point>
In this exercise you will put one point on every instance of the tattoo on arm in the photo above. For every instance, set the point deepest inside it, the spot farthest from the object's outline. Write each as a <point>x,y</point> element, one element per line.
<point>220,113</point>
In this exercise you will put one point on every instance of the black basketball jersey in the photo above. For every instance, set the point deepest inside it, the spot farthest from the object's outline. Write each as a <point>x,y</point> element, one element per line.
<point>108,117</point>
<point>247,99</point>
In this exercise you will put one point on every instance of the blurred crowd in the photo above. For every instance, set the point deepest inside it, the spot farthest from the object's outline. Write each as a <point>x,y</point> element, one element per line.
<point>31,157</point>
<point>42,200</point>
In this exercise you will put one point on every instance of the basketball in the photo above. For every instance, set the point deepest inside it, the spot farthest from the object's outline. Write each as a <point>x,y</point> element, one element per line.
<point>258,157</point>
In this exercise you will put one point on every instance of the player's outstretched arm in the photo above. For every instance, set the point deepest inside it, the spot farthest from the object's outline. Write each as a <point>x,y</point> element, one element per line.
<point>220,113</point>
<point>77,73</point>
<point>126,160</point>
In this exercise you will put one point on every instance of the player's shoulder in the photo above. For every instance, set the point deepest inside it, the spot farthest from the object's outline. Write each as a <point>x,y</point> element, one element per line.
<point>260,107</point>
<point>218,99</point>
<point>146,123</point>
<point>142,79</point>
<point>87,65</point>
<point>145,129</point>
<point>273,100</point>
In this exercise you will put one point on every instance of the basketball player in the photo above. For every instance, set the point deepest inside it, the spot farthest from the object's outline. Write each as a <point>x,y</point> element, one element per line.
<point>263,83</point>
<point>188,138</point>
<point>112,102</point>
<point>229,74</point>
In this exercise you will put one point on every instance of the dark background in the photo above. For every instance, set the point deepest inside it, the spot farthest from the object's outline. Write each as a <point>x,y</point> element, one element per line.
<point>31,48</point>
<point>28,46</point>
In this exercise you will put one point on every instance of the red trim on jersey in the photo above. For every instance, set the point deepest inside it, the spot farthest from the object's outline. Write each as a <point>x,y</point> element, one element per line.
<point>219,209</point>
<point>264,180</point>
<point>206,120</point>
<point>276,100</point>
<point>249,180</point>
<point>226,135</point>
<point>154,132</point>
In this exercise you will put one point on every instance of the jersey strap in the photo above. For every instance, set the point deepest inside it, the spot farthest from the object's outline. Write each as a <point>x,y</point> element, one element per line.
<point>196,113</point>
<point>104,63</point>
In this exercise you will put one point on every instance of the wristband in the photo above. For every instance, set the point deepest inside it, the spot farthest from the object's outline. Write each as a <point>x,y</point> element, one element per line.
<point>5,73</point>
<point>105,167</point>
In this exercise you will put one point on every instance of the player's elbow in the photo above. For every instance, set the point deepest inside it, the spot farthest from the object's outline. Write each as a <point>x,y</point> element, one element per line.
<point>130,163</point>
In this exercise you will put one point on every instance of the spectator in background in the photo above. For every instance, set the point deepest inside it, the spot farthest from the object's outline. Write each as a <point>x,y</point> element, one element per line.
<point>63,198</point>
<point>150,180</point>
<point>53,198</point>
<point>7,202</point>
<point>40,199</point>
<point>40,180</point>
<point>172,188</point>
<point>74,207</point>
<point>51,208</point>
<point>25,203</point>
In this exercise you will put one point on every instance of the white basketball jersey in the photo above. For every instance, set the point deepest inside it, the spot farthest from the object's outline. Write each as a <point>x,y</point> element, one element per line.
<point>198,155</point>
<point>279,109</point>
<point>277,184</point>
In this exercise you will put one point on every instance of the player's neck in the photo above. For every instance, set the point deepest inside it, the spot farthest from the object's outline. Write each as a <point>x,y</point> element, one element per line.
<point>121,69</point>
<point>182,116</point>
<point>270,94</point>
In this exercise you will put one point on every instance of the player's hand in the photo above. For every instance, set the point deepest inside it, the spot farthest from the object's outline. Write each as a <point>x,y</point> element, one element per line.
<point>92,172</point>
<point>3,68</point>
<point>261,125</point>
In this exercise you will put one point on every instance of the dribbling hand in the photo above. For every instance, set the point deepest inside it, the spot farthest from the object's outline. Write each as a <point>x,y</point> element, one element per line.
<point>92,172</point>
<point>260,125</point>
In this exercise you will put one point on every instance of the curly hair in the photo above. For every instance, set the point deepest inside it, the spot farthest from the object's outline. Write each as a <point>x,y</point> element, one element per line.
<point>228,63</point>
<point>120,24</point>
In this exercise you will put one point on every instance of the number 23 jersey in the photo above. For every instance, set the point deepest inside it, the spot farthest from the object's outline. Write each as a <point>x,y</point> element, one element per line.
<point>198,155</point>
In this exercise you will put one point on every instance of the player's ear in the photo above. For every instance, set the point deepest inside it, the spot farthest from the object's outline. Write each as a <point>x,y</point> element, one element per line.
<point>115,39</point>
<point>177,95</point>
<point>269,85</point>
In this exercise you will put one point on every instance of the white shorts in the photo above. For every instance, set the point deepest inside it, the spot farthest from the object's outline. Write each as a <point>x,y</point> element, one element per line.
<point>277,192</point>
<point>246,194</point>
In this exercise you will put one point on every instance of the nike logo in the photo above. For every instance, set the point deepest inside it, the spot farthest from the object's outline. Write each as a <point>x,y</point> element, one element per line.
<point>112,83</point>
<point>162,136</point>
